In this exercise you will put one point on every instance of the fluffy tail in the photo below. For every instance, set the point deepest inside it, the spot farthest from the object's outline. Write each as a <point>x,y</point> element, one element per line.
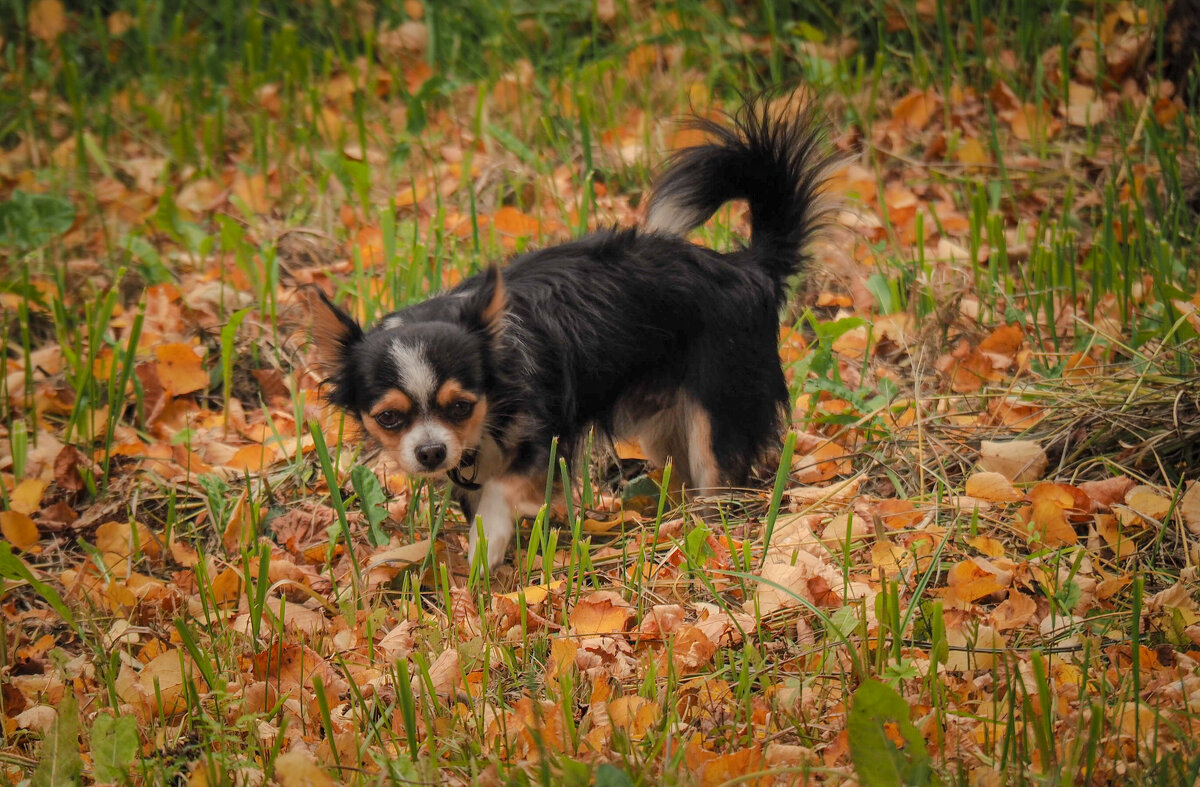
<point>775,160</point>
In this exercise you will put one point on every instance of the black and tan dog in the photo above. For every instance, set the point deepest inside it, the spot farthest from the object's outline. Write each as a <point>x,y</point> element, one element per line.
<point>636,332</point>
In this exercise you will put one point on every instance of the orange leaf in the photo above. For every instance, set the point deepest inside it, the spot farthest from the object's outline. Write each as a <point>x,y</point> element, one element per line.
<point>969,581</point>
<point>602,612</point>
<point>510,221</point>
<point>1014,612</point>
<point>992,486</point>
<point>734,767</point>
<point>914,110</point>
<point>179,369</point>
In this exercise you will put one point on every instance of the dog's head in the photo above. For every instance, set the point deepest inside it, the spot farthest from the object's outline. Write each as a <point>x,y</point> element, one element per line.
<point>419,387</point>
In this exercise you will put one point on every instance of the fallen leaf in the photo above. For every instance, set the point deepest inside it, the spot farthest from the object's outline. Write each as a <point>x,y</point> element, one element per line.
<point>973,579</point>
<point>992,486</point>
<point>601,612</point>
<point>1016,460</point>
<point>179,369</point>
<point>1014,612</point>
<point>26,497</point>
<point>1189,508</point>
<point>18,529</point>
<point>47,19</point>
<point>634,714</point>
<point>299,768</point>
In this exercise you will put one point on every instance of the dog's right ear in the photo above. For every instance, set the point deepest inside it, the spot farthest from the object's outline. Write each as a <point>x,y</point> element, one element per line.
<point>485,308</point>
<point>332,332</point>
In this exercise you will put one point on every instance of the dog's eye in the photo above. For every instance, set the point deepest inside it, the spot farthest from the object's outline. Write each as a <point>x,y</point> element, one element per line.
<point>460,410</point>
<point>390,419</point>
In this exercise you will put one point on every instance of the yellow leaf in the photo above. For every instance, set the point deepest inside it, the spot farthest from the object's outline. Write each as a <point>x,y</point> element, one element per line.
<point>299,768</point>
<point>987,545</point>
<point>18,529</point>
<point>27,496</point>
<point>47,19</point>
<point>633,714</point>
<point>972,152</point>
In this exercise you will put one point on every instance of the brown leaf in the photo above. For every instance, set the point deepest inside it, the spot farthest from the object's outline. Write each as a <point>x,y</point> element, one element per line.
<point>914,110</point>
<point>66,468</point>
<point>734,767</point>
<point>1108,491</point>
<point>163,682</point>
<point>1051,505</point>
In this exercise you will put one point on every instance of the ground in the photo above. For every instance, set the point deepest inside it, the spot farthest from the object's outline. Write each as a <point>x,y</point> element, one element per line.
<point>974,561</point>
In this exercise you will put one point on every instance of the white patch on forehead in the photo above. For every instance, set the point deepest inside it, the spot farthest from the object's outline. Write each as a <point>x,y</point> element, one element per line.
<point>416,374</point>
<point>391,321</point>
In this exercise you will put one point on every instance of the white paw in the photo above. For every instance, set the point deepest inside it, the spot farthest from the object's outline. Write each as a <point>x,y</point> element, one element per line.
<point>496,516</point>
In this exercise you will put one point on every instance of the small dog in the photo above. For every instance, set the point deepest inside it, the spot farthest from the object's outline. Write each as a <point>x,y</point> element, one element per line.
<point>636,332</point>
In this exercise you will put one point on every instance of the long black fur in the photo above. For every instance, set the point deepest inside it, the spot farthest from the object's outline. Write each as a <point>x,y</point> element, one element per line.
<point>627,320</point>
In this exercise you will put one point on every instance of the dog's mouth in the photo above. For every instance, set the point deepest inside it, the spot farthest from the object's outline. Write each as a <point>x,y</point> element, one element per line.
<point>460,468</point>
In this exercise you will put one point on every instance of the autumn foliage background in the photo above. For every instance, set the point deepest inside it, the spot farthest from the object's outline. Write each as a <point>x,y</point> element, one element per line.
<point>976,561</point>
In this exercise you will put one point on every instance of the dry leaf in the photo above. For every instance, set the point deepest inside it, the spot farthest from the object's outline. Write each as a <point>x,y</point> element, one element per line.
<point>1189,508</point>
<point>601,612</point>
<point>992,486</point>
<point>973,579</point>
<point>634,714</point>
<point>1016,460</point>
<point>47,19</point>
<point>26,498</point>
<point>299,768</point>
<point>179,369</point>
<point>18,529</point>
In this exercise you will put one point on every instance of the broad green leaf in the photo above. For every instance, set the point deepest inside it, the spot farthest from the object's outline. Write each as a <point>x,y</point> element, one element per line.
<point>372,501</point>
<point>30,220</point>
<point>877,761</point>
<point>609,775</point>
<point>12,567</point>
<point>114,746</point>
<point>60,763</point>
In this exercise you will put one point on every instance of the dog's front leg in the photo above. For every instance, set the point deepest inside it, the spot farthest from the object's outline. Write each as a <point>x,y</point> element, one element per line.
<point>496,514</point>
<point>501,500</point>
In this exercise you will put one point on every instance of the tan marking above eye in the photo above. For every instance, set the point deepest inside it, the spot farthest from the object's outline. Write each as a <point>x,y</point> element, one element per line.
<point>392,400</point>
<point>452,391</point>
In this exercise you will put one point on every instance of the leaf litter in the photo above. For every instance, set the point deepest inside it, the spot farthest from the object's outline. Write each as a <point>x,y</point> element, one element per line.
<point>944,574</point>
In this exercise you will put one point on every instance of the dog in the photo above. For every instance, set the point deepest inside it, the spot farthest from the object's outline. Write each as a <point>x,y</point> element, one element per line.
<point>635,332</point>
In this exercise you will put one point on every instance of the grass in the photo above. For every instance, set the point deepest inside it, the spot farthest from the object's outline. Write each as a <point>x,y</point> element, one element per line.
<point>245,581</point>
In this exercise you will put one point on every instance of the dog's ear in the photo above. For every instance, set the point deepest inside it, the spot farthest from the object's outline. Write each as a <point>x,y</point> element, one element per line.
<point>485,308</point>
<point>332,332</point>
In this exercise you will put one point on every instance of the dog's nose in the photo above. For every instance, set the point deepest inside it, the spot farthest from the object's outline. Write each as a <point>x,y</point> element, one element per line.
<point>431,455</point>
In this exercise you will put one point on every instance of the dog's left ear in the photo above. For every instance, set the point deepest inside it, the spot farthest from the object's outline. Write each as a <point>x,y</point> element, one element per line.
<point>485,308</point>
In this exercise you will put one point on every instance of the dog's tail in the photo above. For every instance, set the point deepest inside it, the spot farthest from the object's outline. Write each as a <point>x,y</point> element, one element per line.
<point>774,157</point>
